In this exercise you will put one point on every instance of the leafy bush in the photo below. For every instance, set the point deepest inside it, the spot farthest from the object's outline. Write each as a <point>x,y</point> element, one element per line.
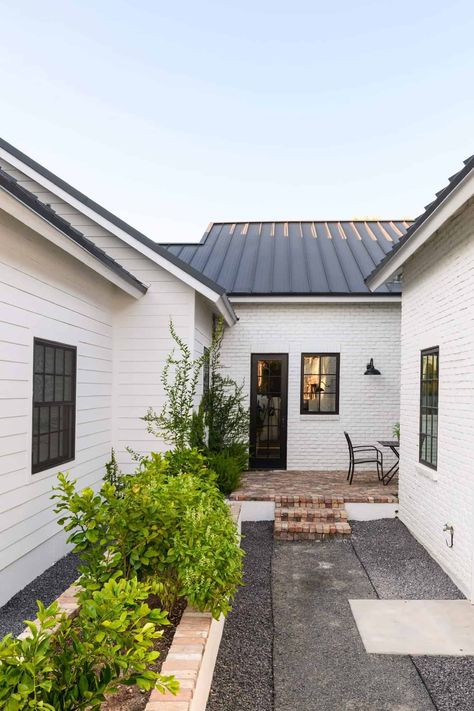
<point>227,469</point>
<point>226,413</point>
<point>188,461</point>
<point>69,664</point>
<point>176,421</point>
<point>174,532</point>
<point>113,475</point>
<point>396,430</point>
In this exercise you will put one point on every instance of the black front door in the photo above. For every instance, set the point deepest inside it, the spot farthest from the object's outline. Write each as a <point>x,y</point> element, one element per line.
<point>268,405</point>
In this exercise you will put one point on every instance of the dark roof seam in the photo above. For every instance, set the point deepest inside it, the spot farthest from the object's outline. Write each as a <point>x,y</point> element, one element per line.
<point>236,270</point>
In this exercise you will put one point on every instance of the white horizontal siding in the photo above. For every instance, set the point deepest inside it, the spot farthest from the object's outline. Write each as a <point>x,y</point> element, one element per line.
<point>45,293</point>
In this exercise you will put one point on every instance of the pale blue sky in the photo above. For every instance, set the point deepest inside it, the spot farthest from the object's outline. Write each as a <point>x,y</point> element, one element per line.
<point>173,114</point>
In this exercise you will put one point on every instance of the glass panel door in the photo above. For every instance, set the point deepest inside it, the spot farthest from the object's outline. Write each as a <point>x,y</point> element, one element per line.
<point>268,411</point>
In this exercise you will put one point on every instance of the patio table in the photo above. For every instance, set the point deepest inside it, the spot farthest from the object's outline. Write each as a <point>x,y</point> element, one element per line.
<point>394,445</point>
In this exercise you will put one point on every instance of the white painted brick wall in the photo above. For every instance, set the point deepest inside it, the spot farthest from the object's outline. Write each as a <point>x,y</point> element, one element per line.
<point>369,405</point>
<point>438,310</point>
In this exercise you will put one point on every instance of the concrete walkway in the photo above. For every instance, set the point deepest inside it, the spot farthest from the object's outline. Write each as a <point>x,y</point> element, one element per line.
<point>320,663</point>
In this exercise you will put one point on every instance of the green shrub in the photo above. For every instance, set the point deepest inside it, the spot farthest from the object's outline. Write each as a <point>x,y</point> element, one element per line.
<point>240,452</point>
<point>176,422</point>
<point>174,532</point>
<point>227,469</point>
<point>226,413</point>
<point>188,461</point>
<point>113,475</point>
<point>69,664</point>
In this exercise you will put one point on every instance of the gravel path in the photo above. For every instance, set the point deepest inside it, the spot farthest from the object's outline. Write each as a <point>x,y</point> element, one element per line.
<point>243,677</point>
<point>47,587</point>
<point>400,568</point>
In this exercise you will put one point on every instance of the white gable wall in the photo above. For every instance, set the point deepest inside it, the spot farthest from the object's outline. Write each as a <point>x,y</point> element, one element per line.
<point>368,405</point>
<point>46,293</point>
<point>438,310</point>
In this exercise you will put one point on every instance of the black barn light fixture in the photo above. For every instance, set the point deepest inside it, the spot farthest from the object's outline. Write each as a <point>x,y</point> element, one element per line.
<point>371,369</point>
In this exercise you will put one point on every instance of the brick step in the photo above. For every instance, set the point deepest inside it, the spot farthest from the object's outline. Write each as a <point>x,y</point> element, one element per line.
<point>310,513</point>
<point>321,502</point>
<point>309,530</point>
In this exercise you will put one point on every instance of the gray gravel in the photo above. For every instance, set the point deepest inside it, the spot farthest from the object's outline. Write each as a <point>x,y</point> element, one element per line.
<point>243,676</point>
<point>399,567</point>
<point>47,587</point>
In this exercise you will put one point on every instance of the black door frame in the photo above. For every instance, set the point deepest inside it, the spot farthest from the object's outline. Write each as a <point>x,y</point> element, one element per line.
<point>281,462</point>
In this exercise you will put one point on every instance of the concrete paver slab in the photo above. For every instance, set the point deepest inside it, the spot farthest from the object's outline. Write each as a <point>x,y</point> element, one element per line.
<point>415,627</point>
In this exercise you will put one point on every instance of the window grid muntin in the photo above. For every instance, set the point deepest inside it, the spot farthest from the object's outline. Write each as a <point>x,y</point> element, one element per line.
<point>429,407</point>
<point>56,361</point>
<point>320,374</point>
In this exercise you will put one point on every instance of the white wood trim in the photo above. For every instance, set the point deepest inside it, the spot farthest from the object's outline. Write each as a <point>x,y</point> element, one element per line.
<point>315,299</point>
<point>12,206</point>
<point>453,202</point>
<point>207,292</point>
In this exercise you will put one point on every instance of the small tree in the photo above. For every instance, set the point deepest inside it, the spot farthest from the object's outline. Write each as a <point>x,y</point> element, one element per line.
<point>227,416</point>
<point>176,421</point>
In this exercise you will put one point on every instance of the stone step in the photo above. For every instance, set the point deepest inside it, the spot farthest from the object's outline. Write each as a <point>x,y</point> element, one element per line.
<point>310,513</point>
<point>322,502</point>
<point>309,530</point>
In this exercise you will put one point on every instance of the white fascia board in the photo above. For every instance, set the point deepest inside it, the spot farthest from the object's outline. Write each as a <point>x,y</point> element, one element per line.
<point>195,284</point>
<point>225,309</point>
<point>316,299</point>
<point>38,224</point>
<point>453,202</point>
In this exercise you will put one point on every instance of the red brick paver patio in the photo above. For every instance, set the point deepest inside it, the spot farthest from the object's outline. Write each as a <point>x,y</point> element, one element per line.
<point>266,485</point>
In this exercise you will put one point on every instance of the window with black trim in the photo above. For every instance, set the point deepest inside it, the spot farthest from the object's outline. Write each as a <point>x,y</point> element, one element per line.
<point>54,404</point>
<point>319,384</point>
<point>429,383</point>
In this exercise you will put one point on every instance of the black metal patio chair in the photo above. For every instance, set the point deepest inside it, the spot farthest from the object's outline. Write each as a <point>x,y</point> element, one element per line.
<point>354,451</point>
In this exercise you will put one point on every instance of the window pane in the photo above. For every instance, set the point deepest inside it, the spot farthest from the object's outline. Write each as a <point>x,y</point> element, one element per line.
<point>43,448</point>
<point>48,388</point>
<point>44,420</point>
<point>38,388</point>
<point>328,365</point>
<point>328,403</point>
<point>49,359</point>
<point>53,446</point>
<point>328,383</point>
<point>58,388</point>
<point>54,423</point>
<point>429,407</point>
<point>67,389</point>
<point>38,358</point>
<point>59,361</point>
<point>311,364</point>
<point>68,359</point>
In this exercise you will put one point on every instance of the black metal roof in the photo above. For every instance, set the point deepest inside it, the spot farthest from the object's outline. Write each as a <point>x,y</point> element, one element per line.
<point>47,213</point>
<point>106,214</point>
<point>294,258</point>
<point>441,195</point>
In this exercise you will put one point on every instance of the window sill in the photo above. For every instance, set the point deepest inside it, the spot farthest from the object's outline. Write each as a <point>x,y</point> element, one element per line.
<point>431,474</point>
<point>317,418</point>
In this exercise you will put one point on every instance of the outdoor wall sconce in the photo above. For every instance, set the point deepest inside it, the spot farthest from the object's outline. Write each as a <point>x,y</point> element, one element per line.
<point>371,369</point>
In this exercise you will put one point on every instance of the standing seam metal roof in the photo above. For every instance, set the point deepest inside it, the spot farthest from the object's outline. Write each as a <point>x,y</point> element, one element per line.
<point>293,258</point>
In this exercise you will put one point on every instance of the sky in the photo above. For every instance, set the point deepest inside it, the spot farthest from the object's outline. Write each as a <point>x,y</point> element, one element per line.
<point>176,114</point>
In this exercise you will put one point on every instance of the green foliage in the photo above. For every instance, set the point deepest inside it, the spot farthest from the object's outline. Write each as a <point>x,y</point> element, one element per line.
<point>227,416</point>
<point>174,532</point>
<point>188,461</point>
<point>113,475</point>
<point>228,470</point>
<point>180,378</point>
<point>69,664</point>
<point>396,430</point>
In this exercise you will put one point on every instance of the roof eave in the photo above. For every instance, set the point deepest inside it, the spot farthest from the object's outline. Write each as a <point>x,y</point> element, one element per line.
<point>393,263</point>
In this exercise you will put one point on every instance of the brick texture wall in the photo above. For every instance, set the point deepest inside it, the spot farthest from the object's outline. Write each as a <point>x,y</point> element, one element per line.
<point>369,405</point>
<point>438,310</point>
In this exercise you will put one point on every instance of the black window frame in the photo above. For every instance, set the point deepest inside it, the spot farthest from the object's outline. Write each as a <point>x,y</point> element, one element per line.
<point>337,356</point>
<point>434,351</point>
<point>68,407</point>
